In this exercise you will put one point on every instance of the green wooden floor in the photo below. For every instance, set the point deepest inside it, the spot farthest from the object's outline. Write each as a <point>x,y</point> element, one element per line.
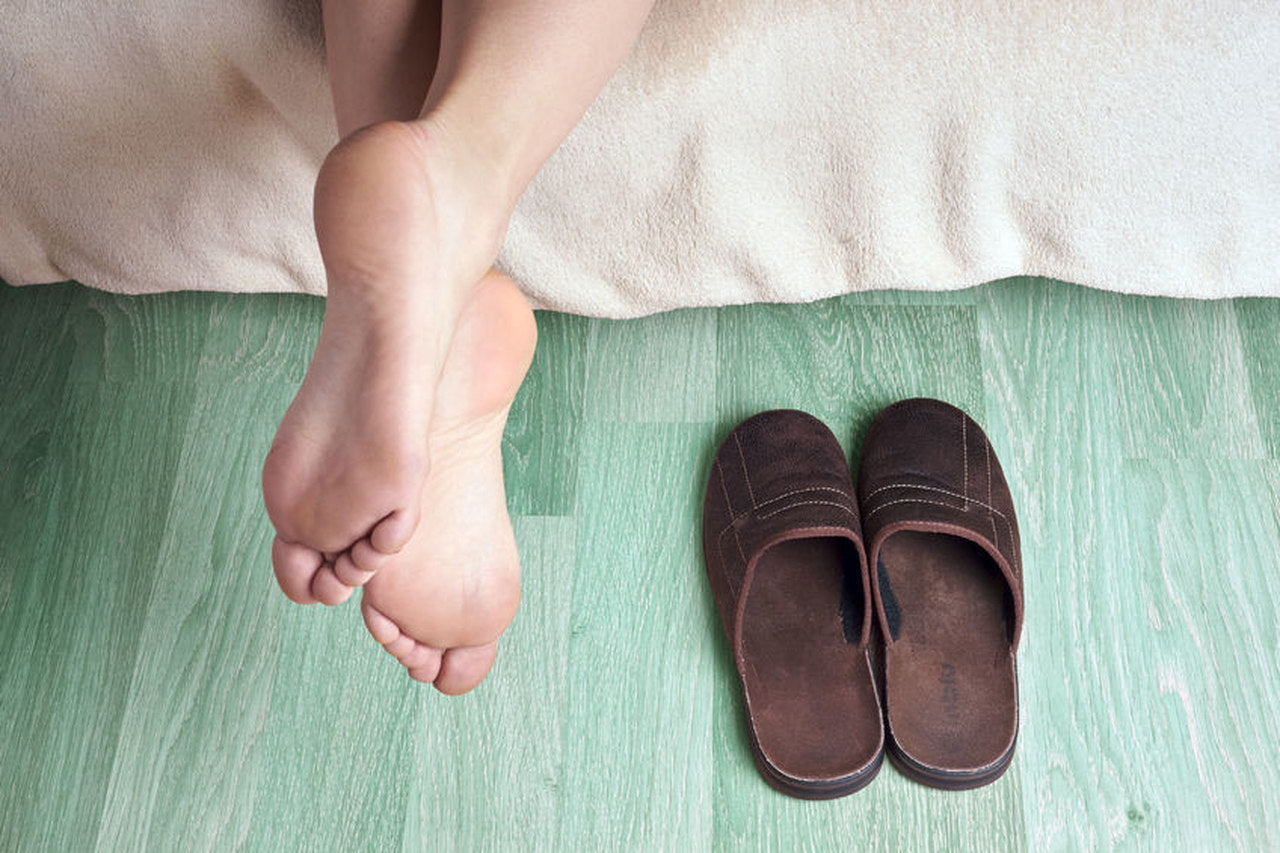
<point>158,692</point>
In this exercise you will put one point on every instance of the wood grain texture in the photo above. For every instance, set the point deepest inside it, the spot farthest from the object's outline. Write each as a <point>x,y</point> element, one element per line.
<point>488,768</point>
<point>540,446</point>
<point>158,692</point>
<point>676,382</point>
<point>72,622</point>
<point>180,759</point>
<point>843,361</point>
<point>1071,422</point>
<point>1206,639</point>
<point>267,339</point>
<point>1051,416</point>
<point>33,347</point>
<point>638,770</point>
<point>964,296</point>
<point>1258,321</point>
<point>1180,369</point>
<point>332,766</point>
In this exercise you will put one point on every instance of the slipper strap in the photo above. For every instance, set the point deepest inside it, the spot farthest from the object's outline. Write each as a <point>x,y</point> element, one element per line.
<point>780,475</point>
<point>927,466</point>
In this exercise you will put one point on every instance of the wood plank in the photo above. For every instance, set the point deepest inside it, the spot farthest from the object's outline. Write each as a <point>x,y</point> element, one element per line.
<point>139,338</point>
<point>658,369</point>
<point>33,380</point>
<point>1196,680</point>
<point>1053,416</point>
<point>963,296</point>
<point>72,623</point>
<point>637,722</point>
<point>1180,368</point>
<point>192,722</point>
<point>266,337</point>
<point>333,762</point>
<point>487,766</point>
<point>842,361</point>
<point>1258,321</point>
<point>34,343</point>
<point>540,446</point>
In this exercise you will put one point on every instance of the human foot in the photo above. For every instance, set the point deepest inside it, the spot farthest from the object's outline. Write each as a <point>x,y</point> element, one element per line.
<point>407,226</point>
<point>440,604</point>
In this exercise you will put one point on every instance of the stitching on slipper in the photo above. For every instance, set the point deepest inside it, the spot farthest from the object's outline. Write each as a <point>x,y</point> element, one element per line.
<point>986,449</point>
<point>724,488</point>
<point>742,460</point>
<point>793,493</point>
<point>995,532</point>
<point>841,492</point>
<point>720,539</point>
<point>781,510</point>
<point>1017,559</point>
<point>946,492</point>
<point>888,504</point>
<point>728,576</point>
<point>738,538</point>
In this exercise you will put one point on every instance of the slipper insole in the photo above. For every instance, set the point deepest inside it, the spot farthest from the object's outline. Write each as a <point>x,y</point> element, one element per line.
<point>950,683</point>
<point>811,697</point>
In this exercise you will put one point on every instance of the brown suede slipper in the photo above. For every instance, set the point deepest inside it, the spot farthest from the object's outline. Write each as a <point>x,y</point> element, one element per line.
<point>783,550</point>
<point>948,594</point>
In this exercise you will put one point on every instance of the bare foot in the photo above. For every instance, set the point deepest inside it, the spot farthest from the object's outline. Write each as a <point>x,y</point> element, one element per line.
<point>440,604</point>
<point>407,225</point>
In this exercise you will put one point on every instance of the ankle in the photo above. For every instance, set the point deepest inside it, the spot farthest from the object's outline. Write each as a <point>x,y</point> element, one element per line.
<point>490,153</point>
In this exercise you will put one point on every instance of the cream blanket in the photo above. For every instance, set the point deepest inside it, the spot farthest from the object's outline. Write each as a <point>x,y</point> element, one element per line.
<point>748,150</point>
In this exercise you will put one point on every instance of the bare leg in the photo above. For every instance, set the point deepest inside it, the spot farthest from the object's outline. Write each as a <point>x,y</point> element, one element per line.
<point>381,57</point>
<point>386,469</point>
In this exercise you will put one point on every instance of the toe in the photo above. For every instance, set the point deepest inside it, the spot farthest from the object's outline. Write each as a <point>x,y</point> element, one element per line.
<point>386,632</point>
<point>427,673</point>
<point>420,656</point>
<point>349,572</point>
<point>327,588</point>
<point>295,565</point>
<point>423,663</point>
<point>365,558</point>
<point>393,532</point>
<point>400,646</point>
<point>463,668</point>
<point>382,628</point>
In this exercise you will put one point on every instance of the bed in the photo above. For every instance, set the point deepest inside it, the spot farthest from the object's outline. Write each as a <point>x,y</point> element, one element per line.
<point>755,150</point>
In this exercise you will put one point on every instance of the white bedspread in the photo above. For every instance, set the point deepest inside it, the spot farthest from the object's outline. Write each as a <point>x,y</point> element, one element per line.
<point>780,150</point>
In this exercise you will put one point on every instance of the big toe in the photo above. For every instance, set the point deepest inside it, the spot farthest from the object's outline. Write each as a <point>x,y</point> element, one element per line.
<point>394,531</point>
<point>353,569</point>
<point>295,567</point>
<point>328,588</point>
<point>462,668</point>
